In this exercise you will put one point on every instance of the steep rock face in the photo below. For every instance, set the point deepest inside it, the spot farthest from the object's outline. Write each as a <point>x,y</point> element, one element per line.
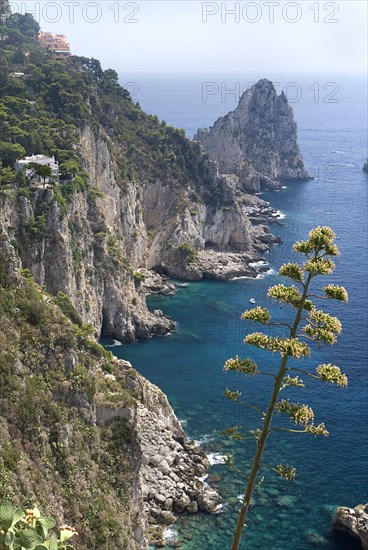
<point>195,240</point>
<point>91,247</point>
<point>90,251</point>
<point>353,521</point>
<point>257,141</point>
<point>94,443</point>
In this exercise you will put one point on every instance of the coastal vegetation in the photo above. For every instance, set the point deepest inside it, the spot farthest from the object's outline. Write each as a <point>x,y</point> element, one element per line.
<point>44,111</point>
<point>308,325</point>
<point>53,455</point>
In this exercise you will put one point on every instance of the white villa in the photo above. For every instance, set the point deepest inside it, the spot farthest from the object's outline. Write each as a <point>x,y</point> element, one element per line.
<point>38,159</point>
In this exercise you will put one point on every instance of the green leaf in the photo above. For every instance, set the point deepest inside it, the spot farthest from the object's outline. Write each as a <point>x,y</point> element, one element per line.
<point>29,539</point>
<point>9,538</point>
<point>47,523</point>
<point>66,534</point>
<point>53,543</point>
<point>6,515</point>
<point>17,516</point>
<point>41,547</point>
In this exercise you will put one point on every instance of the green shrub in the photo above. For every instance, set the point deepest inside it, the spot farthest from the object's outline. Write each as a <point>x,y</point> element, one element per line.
<point>190,252</point>
<point>32,309</point>
<point>66,306</point>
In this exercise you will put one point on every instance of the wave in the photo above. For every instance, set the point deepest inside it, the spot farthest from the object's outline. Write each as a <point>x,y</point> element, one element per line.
<point>204,439</point>
<point>114,344</point>
<point>279,215</point>
<point>261,263</point>
<point>216,458</point>
<point>170,536</point>
<point>337,151</point>
<point>220,508</point>
<point>203,478</point>
<point>266,274</point>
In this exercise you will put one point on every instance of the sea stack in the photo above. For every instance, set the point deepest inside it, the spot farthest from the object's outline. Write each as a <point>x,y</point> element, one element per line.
<point>257,141</point>
<point>365,167</point>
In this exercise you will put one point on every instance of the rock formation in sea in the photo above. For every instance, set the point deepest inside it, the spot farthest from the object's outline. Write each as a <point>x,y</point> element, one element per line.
<point>257,142</point>
<point>353,521</point>
<point>365,166</point>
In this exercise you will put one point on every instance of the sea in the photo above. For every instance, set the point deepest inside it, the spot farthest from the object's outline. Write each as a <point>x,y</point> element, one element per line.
<point>331,113</point>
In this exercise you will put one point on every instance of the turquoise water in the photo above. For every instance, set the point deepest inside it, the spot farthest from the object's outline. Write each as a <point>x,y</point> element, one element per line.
<point>188,365</point>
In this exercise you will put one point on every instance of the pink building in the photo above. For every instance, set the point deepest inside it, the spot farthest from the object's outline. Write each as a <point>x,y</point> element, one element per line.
<point>55,43</point>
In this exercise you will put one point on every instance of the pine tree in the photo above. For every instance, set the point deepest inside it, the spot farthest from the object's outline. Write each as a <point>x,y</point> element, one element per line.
<point>309,325</point>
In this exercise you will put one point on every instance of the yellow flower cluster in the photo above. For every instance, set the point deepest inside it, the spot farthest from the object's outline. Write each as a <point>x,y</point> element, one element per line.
<point>319,266</point>
<point>293,271</point>
<point>301,414</point>
<point>317,430</point>
<point>336,292</point>
<point>333,374</point>
<point>286,294</point>
<point>246,366</point>
<point>285,346</point>
<point>286,471</point>
<point>257,314</point>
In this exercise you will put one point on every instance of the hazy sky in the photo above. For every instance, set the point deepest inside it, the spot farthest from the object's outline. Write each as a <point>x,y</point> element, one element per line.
<point>177,36</point>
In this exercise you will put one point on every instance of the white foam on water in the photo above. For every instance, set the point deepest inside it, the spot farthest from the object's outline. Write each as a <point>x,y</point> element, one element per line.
<point>266,274</point>
<point>202,479</point>
<point>220,508</point>
<point>183,423</point>
<point>204,439</point>
<point>114,344</point>
<point>284,187</point>
<point>258,264</point>
<point>279,215</point>
<point>337,151</point>
<point>216,458</point>
<point>170,536</point>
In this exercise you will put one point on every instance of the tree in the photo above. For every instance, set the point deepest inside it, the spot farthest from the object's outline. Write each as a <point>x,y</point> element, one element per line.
<point>7,175</point>
<point>308,325</point>
<point>40,170</point>
<point>70,168</point>
<point>10,152</point>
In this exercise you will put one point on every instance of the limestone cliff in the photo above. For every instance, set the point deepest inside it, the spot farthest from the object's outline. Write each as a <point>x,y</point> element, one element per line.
<point>83,434</point>
<point>92,247</point>
<point>257,142</point>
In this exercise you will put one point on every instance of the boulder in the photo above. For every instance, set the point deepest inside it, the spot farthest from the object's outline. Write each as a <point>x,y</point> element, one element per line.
<point>353,521</point>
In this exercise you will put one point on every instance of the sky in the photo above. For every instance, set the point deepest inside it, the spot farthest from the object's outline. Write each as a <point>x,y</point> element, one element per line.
<point>196,37</point>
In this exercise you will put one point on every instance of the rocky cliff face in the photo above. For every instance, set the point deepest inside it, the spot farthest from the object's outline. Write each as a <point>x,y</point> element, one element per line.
<point>257,142</point>
<point>83,434</point>
<point>92,247</point>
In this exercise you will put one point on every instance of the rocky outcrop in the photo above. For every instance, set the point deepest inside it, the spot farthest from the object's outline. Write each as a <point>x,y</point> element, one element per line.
<point>257,142</point>
<point>108,454</point>
<point>92,246</point>
<point>365,167</point>
<point>171,466</point>
<point>353,521</point>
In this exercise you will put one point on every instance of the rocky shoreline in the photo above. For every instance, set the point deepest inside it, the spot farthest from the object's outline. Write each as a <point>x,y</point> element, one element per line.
<point>353,521</point>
